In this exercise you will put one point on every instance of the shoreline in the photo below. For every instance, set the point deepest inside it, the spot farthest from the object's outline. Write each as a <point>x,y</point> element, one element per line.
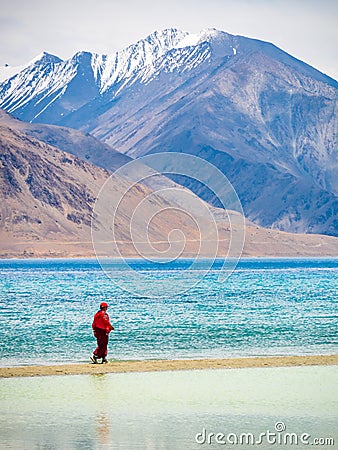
<point>168,365</point>
<point>119,258</point>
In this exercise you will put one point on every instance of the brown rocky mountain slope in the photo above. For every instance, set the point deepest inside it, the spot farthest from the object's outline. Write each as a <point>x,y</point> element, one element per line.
<point>69,140</point>
<point>47,200</point>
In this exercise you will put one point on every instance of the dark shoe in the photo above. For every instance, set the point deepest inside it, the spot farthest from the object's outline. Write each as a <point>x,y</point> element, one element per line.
<point>104,361</point>
<point>94,359</point>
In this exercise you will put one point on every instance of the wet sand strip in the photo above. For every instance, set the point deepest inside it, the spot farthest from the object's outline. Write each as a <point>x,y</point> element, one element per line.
<point>167,365</point>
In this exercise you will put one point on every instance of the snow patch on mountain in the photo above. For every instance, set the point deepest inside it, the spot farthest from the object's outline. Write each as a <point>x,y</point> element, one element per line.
<point>123,66</point>
<point>7,71</point>
<point>46,76</point>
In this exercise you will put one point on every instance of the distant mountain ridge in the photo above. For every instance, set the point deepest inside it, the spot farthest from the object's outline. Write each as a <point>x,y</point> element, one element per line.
<point>48,77</point>
<point>51,83</point>
<point>266,119</point>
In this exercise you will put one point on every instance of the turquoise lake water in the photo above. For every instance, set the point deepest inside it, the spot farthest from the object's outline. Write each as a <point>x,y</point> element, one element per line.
<point>265,307</point>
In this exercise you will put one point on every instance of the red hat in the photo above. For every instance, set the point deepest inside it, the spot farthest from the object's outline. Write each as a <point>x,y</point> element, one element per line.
<point>103,305</point>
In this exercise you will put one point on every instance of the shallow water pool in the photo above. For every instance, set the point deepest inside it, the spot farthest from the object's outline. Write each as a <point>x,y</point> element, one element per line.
<point>170,410</point>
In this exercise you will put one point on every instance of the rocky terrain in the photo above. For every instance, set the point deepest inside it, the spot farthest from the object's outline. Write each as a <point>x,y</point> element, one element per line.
<point>48,200</point>
<point>72,141</point>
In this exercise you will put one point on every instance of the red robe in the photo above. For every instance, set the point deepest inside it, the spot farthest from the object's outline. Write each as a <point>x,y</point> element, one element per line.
<point>102,327</point>
<point>101,320</point>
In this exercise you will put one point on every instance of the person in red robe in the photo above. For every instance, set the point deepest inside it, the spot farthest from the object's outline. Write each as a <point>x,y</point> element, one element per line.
<point>101,327</point>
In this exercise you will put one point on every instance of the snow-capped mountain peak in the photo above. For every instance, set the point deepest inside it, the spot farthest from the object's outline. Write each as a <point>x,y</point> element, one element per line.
<point>125,66</point>
<point>189,40</point>
<point>165,39</point>
<point>44,58</point>
<point>137,60</point>
<point>245,105</point>
<point>220,42</point>
<point>7,71</point>
<point>48,83</point>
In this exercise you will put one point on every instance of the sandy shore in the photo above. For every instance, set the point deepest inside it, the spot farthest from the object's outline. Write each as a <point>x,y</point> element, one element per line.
<point>165,365</point>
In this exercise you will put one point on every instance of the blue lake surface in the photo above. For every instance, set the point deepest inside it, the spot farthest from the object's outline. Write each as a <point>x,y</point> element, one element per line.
<point>265,307</point>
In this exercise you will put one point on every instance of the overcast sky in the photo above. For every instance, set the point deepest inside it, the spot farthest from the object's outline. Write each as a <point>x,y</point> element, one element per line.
<point>305,28</point>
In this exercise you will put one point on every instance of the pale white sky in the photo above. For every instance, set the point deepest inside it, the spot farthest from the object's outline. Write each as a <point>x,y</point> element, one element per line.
<point>307,29</point>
